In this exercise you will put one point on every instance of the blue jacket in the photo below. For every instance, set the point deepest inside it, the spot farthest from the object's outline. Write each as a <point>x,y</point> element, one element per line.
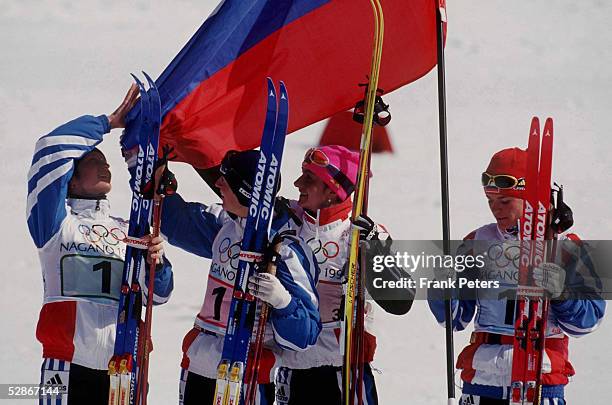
<point>210,232</point>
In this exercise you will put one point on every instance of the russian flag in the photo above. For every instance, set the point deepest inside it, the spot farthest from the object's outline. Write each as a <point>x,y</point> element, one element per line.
<point>213,92</point>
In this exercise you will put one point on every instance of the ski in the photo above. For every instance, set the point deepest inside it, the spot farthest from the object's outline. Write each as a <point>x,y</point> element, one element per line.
<point>123,367</point>
<point>241,319</point>
<point>118,392</point>
<point>144,343</point>
<point>350,323</point>
<point>545,199</point>
<point>530,323</point>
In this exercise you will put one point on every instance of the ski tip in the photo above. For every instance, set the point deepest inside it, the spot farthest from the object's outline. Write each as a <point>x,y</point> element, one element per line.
<point>548,127</point>
<point>149,80</point>
<point>271,88</point>
<point>137,80</point>
<point>535,126</point>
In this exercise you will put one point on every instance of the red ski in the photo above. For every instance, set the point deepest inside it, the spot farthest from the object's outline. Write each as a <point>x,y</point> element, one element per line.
<point>530,323</point>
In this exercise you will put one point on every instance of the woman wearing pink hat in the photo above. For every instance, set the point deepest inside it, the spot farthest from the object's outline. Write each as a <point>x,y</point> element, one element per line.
<point>329,174</point>
<point>486,363</point>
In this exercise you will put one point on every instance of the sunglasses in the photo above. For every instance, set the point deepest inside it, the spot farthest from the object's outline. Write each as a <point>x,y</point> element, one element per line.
<point>319,158</point>
<point>502,181</point>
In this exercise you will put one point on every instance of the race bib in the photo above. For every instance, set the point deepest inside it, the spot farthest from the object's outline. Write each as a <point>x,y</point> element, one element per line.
<point>330,302</point>
<point>216,307</point>
<point>91,276</point>
<point>220,285</point>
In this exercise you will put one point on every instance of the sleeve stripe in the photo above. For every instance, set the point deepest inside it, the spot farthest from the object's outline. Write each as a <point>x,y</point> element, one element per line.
<point>300,278</point>
<point>576,331</point>
<point>308,288</point>
<point>44,182</point>
<point>53,157</point>
<point>157,299</point>
<point>47,141</point>
<point>285,343</point>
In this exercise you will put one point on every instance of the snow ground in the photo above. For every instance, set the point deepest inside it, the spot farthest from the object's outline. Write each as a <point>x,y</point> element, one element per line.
<point>506,61</point>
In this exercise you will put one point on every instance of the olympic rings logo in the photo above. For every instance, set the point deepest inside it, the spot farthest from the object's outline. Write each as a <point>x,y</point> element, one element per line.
<point>504,255</point>
<point>97,233</point>
<point>229,252</point>
<point>329,250</point>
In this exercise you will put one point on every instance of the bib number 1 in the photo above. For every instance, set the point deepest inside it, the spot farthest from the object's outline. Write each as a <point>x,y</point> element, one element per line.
<point>91,276</point>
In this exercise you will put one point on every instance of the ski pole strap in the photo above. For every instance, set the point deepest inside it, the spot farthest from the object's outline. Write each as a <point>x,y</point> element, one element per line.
<point>167,183</point>
<point>382,116</point>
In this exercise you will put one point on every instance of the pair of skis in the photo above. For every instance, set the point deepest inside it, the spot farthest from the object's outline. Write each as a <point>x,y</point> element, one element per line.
<point>530,322</point>
<point>128,367</point>
<point>352,371</point>
<point>241,320</point>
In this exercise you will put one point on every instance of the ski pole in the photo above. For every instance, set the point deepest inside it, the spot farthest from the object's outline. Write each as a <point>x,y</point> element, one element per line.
<point>253,367</point>
<point>167,186</point>
<point>141,392</point>
<point>450,357</point>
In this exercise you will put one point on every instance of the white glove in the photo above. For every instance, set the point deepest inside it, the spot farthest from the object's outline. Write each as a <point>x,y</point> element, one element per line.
<point>550,277</point>
<point>268,288</point>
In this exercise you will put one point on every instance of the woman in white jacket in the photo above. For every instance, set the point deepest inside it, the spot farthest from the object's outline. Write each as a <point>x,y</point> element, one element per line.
<point>328,179</point>
<point>81,255</point>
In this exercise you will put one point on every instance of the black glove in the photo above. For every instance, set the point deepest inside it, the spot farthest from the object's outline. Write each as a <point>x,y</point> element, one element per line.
<point>368,230</point>
<point>166,182</point>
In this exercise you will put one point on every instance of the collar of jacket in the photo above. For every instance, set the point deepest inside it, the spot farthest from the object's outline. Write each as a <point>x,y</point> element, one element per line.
<point>507,234</point>
<point>331,214</point>
<point>91,208</point>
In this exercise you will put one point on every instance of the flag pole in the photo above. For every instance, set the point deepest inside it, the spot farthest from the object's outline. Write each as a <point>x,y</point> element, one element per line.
<point>450,357</point>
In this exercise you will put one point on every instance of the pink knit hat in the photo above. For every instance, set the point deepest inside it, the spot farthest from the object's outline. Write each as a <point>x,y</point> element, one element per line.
<point>336,166</point>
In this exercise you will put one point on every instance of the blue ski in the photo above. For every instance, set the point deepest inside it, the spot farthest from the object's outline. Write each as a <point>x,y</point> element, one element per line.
<point>122,366</point>
<point>241,320</point>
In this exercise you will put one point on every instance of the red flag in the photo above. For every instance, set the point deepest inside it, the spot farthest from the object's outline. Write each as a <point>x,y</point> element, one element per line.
<point>213,92</point>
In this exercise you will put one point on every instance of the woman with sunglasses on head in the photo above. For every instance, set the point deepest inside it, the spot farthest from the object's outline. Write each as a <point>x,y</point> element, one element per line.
<point>328,179</point>
<point>215,232</point>
<point>486,363</point>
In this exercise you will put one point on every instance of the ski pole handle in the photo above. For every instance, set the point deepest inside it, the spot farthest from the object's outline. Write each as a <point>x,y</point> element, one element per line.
<point>259,336</point>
